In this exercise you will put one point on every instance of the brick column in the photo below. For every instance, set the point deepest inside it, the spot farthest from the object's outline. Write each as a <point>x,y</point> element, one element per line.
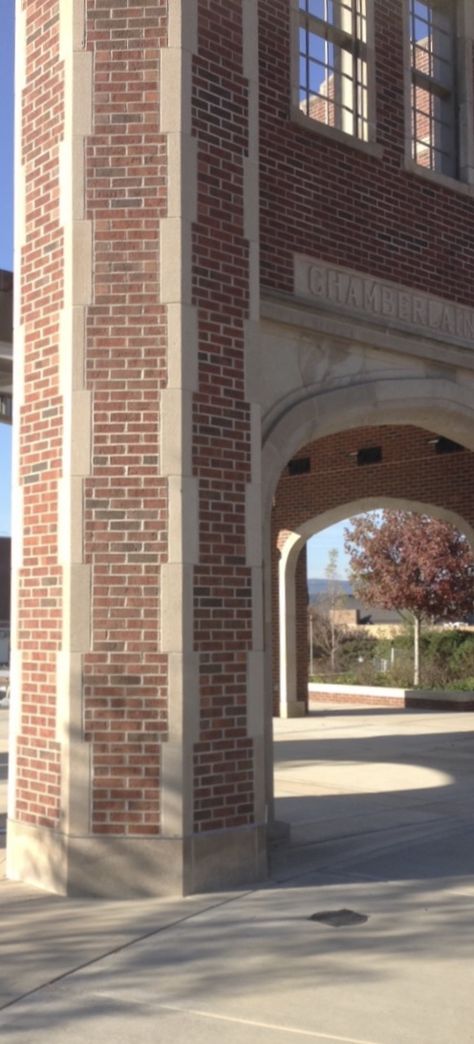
<point>229,755</point>
<point>137,709</point>
<point>302,642</point>
<point>90,701</point>
<point>35,782</point>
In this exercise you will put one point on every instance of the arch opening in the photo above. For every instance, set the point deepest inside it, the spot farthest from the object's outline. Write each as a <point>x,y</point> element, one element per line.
<point>411,476</point>
<point>433,402</point>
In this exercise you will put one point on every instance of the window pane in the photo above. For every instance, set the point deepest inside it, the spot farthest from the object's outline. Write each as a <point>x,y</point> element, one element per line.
<point>432,39</point>
<point>348,15</point>
<point>319,48</point>
<point>333,71</point>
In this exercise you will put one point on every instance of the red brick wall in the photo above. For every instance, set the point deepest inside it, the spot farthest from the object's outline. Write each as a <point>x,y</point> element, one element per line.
<point>41,291</point>
<point>410,469</point>
<point>333,202</point>
<point>221,436</point>
<point>126,503</point>
<point>318,699</point>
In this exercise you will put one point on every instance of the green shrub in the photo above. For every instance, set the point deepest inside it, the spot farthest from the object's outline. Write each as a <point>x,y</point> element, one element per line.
<point>447,660</point>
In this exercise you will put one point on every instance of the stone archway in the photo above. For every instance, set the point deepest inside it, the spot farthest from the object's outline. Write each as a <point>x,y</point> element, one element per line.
<point>435,404</point>
<point>431,403</point>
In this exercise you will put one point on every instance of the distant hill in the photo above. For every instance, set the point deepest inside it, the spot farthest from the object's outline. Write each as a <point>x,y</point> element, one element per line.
<point>317,585</point>
<point>366,614</point>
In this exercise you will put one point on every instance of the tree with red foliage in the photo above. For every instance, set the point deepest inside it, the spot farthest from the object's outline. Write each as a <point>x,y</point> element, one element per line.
<point>420,566</point>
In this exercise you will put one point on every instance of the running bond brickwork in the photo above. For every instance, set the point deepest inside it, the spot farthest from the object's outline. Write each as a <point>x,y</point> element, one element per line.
<point>125,502</point>
<point>39,596</point>
<point>410,469</point>
<point>223,795</point>
<point>319,197</point>
<point>340,204</point>
<point>412,700</point>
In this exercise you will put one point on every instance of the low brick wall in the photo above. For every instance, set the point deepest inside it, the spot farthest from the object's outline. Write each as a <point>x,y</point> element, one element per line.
<point>378,696</point>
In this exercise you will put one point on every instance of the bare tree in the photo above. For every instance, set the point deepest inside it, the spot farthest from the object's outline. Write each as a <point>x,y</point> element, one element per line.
<point>326,629</point>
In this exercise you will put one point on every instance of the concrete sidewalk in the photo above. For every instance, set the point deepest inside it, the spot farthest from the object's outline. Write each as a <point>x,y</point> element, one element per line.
<point>383,825</point>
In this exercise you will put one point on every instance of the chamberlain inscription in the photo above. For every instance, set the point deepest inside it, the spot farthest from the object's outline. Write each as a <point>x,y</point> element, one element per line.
<point>383,301</point>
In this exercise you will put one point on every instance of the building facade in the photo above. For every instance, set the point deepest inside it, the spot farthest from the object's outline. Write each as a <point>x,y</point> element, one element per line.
<point>6,361</point>
<point>6,353</point>
<point>214,272</point>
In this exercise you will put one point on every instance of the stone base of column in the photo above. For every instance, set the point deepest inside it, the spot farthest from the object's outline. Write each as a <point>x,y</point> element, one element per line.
<point>226,859</point>
<point>279,832</point>
<point>130,867</point>
<point>293,709</point>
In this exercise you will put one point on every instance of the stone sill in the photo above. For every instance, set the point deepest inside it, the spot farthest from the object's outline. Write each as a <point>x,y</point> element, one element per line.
<point>370,148</point>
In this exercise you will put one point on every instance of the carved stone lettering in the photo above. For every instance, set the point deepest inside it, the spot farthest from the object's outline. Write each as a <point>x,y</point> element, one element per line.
<point>388,301</point>
<point>371,298</point>
<point>468,324</point>
<point>317,281</point>
<point>354,296</point>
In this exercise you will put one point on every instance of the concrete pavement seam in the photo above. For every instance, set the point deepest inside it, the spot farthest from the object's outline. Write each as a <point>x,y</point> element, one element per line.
<point>124,946</point>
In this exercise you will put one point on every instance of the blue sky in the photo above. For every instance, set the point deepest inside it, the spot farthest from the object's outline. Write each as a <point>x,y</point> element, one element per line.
<point>6,219</point>
<point>320,546</point>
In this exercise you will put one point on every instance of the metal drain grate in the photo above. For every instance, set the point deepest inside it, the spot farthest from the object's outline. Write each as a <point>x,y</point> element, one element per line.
<point>339,918</point>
